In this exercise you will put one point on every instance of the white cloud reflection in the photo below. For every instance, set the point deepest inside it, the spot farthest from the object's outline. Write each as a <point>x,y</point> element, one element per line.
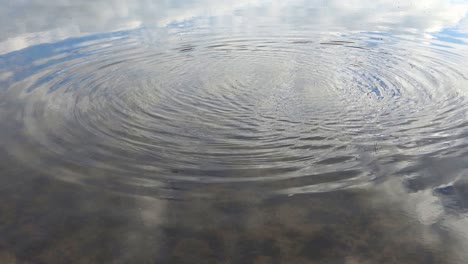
<point>25,23</point>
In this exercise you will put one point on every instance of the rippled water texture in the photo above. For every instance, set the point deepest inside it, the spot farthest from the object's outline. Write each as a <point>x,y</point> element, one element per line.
<point>234,132</point>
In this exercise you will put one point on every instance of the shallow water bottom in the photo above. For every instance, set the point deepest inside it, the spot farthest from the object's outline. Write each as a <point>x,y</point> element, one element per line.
<point>48,221</point>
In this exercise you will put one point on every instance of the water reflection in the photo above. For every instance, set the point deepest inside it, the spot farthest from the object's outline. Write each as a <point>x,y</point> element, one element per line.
<point>72,19</point>
<point>233,132</point>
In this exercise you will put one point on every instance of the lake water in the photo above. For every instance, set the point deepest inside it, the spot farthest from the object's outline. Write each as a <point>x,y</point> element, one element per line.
<point>252,131</point>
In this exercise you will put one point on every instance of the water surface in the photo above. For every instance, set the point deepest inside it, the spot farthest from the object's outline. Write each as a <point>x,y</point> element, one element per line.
<point>233,132</point>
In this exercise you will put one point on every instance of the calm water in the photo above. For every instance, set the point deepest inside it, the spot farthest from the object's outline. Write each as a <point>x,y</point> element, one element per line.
<point>137,131</point>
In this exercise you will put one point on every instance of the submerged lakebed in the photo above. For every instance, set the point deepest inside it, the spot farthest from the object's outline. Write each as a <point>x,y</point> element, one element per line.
<point>233,132</point>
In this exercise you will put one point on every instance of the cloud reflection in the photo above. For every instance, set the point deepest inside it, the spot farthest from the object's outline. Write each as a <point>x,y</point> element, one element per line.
<point>26,23</point>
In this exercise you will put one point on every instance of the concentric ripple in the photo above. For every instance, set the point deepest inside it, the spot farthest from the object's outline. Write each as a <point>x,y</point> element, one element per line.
<point>302,112</point>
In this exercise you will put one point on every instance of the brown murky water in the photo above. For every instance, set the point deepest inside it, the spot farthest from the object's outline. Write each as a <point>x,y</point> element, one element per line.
<point>233,132</point>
